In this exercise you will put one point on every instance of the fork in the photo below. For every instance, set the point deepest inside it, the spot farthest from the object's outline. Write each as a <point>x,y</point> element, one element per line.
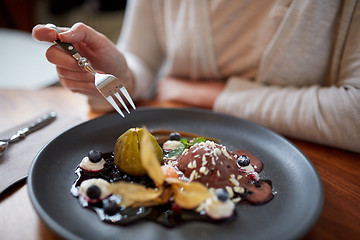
<point>108,85</point>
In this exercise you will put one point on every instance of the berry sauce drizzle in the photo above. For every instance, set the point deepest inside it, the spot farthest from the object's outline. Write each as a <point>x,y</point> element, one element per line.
<point>168,215</point>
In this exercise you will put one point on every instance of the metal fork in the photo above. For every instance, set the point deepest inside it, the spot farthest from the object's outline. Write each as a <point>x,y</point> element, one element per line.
<point>108,85</point>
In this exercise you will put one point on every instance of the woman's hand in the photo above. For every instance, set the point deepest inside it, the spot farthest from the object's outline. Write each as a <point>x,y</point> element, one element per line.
<point>197,94</point>
<point>97,48</point>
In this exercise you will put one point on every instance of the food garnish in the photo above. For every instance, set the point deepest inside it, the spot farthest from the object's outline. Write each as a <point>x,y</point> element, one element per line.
<point>187,195</point>
<point>127,151</point>
<point>170,181</point>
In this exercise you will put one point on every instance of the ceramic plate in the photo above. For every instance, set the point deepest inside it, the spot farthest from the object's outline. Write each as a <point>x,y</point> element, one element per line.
<point>293,211</point>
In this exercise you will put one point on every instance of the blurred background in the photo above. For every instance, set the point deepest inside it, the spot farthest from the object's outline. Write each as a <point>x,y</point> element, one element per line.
<point>22,61</point>
<point>103,15</point>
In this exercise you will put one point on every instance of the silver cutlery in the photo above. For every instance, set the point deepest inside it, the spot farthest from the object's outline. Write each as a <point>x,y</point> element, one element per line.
<point>21,134</point>
<point>108,85</point>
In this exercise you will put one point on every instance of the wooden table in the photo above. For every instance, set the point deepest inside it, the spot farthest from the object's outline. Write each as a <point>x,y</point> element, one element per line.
<point>338,169</point>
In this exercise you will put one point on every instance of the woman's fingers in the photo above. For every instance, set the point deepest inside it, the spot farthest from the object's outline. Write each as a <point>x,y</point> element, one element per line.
<point>84,87</point>
<point>80,32</point>
<point>79,75</point>
<point>96,47</point>
<point>78,81</point>
<point>42,33</point>
<point>60,58</point>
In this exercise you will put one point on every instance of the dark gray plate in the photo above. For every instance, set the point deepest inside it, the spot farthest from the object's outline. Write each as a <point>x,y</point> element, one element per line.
<point>293,211</point>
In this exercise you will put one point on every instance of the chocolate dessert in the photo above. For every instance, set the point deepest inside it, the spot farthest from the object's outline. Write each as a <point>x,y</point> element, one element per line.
<point>178,178</point>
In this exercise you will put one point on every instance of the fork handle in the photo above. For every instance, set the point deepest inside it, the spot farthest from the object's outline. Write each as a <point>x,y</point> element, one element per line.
<point>68,47</point>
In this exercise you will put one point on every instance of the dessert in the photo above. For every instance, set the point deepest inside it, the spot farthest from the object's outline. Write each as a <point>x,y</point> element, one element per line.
<point>127,151</point>
<point>169,178</point>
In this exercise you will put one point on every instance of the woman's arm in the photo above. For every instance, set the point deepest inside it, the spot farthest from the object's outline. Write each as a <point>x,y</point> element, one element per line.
<point>139,41</point>
<point>328,115</point>
<point>197,94</point>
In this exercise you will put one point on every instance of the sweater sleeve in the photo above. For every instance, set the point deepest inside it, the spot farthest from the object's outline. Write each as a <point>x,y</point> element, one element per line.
<point>139,43</point>
<point>328,115</point>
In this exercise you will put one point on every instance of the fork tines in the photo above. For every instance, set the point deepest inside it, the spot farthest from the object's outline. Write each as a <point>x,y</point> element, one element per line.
<point>117,95</point>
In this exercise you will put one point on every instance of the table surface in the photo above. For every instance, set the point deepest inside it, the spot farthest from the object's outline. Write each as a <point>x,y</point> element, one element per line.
<point>339,170</point>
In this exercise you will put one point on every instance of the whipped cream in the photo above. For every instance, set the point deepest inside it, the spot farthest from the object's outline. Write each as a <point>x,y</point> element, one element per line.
<point>87,165</point>
<point>171,145</point>
<point>217,209</point>
<point>100,183</point>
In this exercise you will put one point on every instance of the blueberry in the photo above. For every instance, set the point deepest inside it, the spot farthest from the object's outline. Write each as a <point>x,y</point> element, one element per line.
<point>243,160</point>
<point>110,208</point>
<point>93,192</point>
<point>244,194</point>
<point>175,136</point>
<point>222,194</point>
<point>94,156</point>
<point>256,184</point>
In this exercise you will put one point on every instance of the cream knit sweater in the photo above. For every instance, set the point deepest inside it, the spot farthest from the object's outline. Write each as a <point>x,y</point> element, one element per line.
<point>306,82</point>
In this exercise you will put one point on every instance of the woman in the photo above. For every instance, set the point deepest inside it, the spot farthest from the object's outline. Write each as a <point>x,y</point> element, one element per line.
<point>292,66</point>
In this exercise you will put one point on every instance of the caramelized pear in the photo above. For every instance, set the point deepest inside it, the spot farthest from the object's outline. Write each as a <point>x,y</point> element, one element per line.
<point>127,151</point>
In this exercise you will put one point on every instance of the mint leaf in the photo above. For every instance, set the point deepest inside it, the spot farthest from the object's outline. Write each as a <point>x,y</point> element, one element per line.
<point>184,141</point>
<point>184,144</point>
<point>196,140</point>
<point>177,151</point>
